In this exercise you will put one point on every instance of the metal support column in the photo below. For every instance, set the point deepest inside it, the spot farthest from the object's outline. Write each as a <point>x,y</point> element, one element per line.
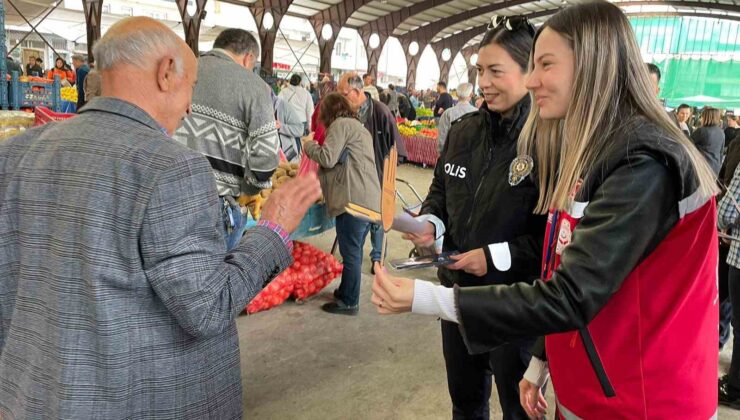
<point>373,54</point>
<point>93,13</point>
<point>191,23</point>
<point>412,61</point>
<point>336,16</point>
<point>259,9</point>
<point>467,53</point>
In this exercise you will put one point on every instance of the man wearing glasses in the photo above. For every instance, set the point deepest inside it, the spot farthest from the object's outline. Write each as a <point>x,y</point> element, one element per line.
<point>381,123</point>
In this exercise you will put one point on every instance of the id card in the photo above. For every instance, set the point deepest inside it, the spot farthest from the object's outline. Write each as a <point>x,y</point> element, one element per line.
<point>416,263</point>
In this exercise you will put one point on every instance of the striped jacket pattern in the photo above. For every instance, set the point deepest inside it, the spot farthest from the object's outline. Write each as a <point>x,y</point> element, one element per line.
<point>117,298</point>
<point>233,124</point>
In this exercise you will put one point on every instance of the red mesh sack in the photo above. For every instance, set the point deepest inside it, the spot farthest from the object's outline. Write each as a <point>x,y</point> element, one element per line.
<point>315,268</point>
<point>277,292</point>
<point>311,272</point>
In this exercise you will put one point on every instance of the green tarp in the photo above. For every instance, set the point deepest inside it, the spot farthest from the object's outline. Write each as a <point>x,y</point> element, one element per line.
<point>699,58</point>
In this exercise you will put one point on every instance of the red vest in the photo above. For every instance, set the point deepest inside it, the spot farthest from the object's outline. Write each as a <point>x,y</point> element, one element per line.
<point>656,337</point>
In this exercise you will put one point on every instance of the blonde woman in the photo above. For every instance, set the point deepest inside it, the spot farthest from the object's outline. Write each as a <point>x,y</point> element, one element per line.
<point>628,288</point>
<point>709,138</point>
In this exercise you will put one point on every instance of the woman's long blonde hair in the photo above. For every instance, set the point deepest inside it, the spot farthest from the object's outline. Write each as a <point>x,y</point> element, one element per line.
<point>611,87</point>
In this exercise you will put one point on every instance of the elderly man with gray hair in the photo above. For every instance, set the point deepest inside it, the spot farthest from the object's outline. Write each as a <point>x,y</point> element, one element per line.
<point>117,297</point>
<point>464,93</point>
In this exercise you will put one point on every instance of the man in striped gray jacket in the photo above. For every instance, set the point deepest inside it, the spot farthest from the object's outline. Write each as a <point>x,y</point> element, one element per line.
<point>232,124</point>
<point>117,298</point>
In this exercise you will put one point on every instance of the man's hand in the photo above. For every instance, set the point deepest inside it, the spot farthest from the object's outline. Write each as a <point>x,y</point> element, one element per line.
<point>472,262</point>
<point>723,241</point>
<point>532,400</point>
<point>392,295</point>
<point>424,239</point>
<point>288,204</point>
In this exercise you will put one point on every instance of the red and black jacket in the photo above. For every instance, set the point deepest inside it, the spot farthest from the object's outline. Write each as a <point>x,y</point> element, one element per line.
<point>629,314</point>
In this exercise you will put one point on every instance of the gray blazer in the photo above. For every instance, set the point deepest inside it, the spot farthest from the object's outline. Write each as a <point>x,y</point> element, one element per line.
<point>117,298</point>
<point>710,141</point>
<point>355,178</point>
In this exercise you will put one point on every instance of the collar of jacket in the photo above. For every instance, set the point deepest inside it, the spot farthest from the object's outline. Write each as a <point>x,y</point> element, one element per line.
<point>125,109</point>
<point>512,125</point>
<point>219,53</point>
<point>368,111</point>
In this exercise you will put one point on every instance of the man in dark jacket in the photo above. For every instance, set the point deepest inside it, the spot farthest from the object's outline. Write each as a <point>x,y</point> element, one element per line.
<point>81,69</point>
<point>33,68</point>
<point>444,101</point>
<point>12,66</point>
<point>381,123</point>
<point>405,108</point>
<point>732,129</point>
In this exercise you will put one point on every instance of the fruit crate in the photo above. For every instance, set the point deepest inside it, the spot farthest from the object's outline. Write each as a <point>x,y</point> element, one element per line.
<point>33,94</point>
<point>4,101</point>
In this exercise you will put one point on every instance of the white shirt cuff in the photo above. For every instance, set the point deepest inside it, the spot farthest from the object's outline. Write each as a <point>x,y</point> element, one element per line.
<point>538,372</point>
<point>439,230</point>
<point>431,299</point>
<point>501,256</point>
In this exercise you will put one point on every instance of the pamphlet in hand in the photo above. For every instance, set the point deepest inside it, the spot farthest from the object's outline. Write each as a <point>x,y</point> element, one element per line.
<point>415,263</point>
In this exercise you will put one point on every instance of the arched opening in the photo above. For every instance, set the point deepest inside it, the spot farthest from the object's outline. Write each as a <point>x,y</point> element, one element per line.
<point>220,16</point>
<point>296,49</point>
<point>349,53</point>
<point>427,72</point>
<point>391,70</point>
<point>458,72</point>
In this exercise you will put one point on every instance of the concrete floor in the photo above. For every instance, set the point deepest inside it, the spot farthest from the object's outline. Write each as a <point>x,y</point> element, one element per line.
<point>301,363</point>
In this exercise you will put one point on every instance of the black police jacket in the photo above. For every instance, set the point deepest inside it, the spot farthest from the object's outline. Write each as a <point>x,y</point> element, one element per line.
<point>472,195</point>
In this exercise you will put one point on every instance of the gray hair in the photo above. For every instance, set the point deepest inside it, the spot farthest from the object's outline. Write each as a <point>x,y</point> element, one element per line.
<point>355,82</point>
<point>138,48</point>
<point>464,90</point>
<point>79,57</point>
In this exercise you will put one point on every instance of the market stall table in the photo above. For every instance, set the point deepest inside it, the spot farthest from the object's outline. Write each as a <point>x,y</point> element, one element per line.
<point>420,149</point>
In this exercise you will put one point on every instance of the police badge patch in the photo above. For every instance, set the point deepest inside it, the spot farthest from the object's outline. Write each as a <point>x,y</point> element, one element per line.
<point>519,169</point>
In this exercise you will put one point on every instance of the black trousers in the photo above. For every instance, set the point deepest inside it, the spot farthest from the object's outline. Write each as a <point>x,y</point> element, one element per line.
<point>734,373</point>
<point>725,306</point>
<point>469,377</point>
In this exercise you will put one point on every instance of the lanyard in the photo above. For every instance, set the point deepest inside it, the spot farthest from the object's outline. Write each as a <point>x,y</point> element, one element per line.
<point>552,237</point>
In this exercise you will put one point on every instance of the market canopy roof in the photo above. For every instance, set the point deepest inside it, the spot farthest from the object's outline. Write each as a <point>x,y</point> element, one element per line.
<point>404,16</point>
<point>424,21</point>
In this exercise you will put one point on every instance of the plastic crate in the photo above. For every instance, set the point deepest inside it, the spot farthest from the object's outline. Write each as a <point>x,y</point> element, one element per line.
<point>314,222</point>
<point>35,94</point>
<point>4,89</point>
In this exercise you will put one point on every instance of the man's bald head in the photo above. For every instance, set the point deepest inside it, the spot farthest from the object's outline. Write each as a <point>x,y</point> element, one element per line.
<point>139,42</point>
<point>143,62</point>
